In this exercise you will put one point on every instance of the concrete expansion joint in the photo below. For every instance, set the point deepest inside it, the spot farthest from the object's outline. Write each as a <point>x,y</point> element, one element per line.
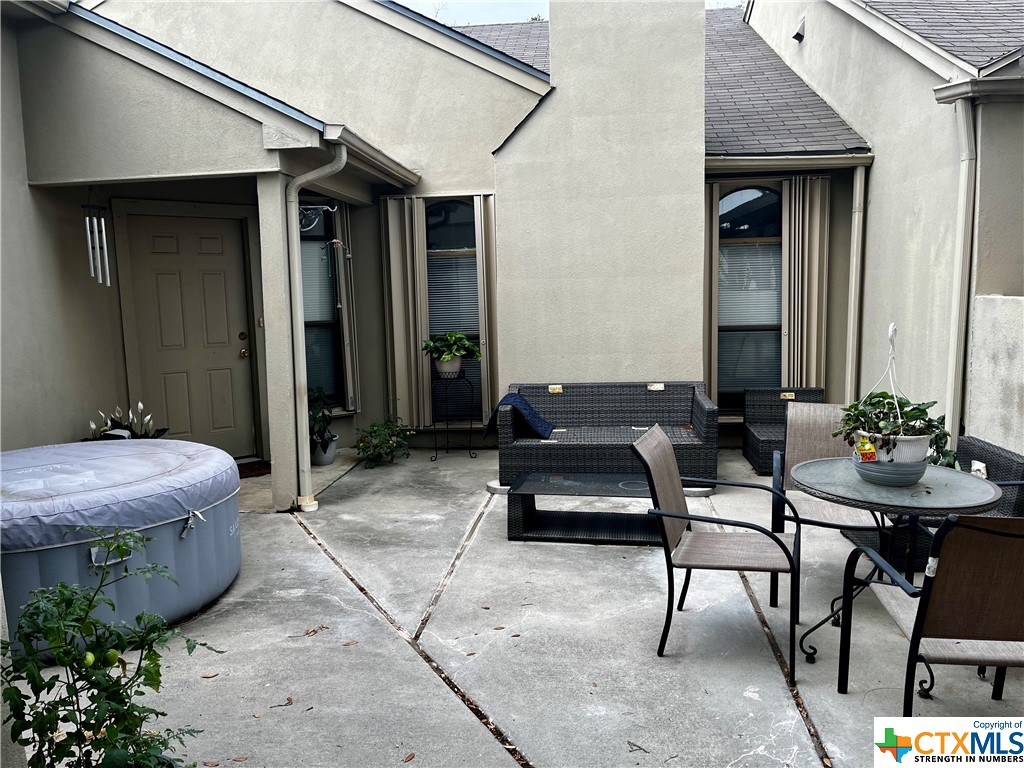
<point>467,701</point>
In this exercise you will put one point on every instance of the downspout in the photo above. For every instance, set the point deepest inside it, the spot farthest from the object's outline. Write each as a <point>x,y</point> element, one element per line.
<point>961,267</point>
<point>856,282</point>
<point>305,500</point>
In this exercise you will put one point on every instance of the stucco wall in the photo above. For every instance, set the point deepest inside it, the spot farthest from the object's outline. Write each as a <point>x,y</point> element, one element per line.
<point>999,266</point>
<point>995,390</point>
<point>91,114</point>
<point>910,217</point>
<point>600,203</point>
<point>52,380</point>
<point>425,107</point>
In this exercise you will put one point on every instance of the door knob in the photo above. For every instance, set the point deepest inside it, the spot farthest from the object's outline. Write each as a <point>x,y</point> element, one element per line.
<point>243,352</point>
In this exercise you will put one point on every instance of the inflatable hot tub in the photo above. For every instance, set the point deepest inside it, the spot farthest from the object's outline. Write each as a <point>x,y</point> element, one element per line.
<point>184,496</point>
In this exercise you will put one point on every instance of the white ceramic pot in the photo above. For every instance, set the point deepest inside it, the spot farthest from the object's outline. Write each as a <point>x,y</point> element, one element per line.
<point>449,369</point>
<point>906,450</point>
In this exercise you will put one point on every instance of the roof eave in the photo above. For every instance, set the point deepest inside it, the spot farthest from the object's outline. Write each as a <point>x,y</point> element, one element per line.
<point>376,161</point>
<point>991,88</point>
<point>744,163</point>
<point>937,59</point>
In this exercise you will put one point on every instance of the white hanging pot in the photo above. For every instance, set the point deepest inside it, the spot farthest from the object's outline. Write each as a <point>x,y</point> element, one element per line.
<point>908,448</point>
<point>449,369</point>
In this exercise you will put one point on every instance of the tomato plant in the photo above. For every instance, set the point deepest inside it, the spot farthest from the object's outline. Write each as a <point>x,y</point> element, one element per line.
<point>82,713</point>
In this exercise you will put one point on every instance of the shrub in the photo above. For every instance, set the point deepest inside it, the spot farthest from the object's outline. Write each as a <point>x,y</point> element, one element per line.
<point>382,441</point>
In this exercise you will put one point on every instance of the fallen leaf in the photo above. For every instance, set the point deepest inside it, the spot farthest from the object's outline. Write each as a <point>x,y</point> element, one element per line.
<point>409,757</point>
<point>257,715</point>
<point>499,627</point>
<point>349,643</point>
<point>312,631</point>
<point>211,764</point>
<point>288,702</point>
<point>486,607</point>
<point>471,654</point>
<point>239,759</point>
<point>210,675</point>
<point>516,635</point>
<point>826,762</point>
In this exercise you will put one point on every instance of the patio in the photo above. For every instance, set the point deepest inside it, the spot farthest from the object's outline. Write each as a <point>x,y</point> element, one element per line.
<point>441,639</point>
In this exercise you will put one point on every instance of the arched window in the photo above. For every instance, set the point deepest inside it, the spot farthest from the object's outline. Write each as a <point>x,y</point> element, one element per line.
<point>749,293</point>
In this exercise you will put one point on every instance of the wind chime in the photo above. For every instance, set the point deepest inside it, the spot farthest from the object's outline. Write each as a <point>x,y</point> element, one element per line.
<point>96,242</point>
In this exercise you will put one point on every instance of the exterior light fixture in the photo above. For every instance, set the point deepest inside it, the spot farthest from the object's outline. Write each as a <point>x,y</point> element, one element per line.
<point>799,34</point>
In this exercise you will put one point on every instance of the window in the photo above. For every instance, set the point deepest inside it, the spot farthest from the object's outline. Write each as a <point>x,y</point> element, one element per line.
<point>768,282</point>
<point>327,300</point>
<point>453,300</point>
<point>438,269</point>
<point>749,294</point>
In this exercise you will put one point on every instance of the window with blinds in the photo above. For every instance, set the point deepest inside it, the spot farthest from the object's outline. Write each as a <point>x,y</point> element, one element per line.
<point>453,301</point>
<point>749,294</point>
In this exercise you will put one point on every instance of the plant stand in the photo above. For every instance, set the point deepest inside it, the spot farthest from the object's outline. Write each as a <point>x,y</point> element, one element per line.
<point>447,382</point>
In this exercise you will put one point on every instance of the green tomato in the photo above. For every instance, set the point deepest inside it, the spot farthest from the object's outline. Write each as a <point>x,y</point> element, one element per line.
<point>110,657</point>
<point>89,659</point>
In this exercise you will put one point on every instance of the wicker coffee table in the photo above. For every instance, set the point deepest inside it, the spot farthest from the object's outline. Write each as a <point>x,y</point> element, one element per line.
<point>527,523</point>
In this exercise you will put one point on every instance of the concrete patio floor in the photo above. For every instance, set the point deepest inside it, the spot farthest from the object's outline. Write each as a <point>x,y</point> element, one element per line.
<point>398,621</point>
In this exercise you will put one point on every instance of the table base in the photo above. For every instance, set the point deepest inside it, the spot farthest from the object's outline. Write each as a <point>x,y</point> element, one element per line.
<point>527,523</point>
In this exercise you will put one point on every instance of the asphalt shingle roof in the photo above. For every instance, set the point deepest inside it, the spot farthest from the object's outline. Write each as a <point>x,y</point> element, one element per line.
<point>526,40</point>
<point>976,31</point>
<point>755,105</point>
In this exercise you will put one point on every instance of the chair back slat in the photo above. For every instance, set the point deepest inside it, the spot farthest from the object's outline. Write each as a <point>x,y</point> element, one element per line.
<point>809,428</point>
<point>976,591</point>
<point>654,450</point>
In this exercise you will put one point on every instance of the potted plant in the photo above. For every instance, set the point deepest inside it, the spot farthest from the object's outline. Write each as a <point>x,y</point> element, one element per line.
<point>888,429</point>
<point>382,441</point>
<point>323,444</point>
<point>114,426</point>
<point>448,349</point>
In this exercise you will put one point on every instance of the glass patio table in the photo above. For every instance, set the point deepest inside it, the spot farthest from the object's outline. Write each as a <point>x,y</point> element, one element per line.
<point>941,491</point>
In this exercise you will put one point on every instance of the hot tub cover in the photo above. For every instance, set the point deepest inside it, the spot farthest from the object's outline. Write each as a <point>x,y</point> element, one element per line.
<point>134,484</point>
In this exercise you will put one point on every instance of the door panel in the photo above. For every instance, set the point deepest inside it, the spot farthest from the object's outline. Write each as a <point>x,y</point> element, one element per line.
<point>188,286</point>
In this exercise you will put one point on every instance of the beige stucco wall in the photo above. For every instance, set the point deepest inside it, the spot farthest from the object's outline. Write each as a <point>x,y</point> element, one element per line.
<point>910,220</point>
<point>999,266</point>
<point>995,391</point>
<point>838,300</point>
<point>600,203</point>
<point>52,380</point>
<point>91,114</point>
<point>425,107</point>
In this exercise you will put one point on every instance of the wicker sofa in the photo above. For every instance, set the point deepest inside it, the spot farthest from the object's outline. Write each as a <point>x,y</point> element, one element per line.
<point>764,421</point>
<point>596,423</point>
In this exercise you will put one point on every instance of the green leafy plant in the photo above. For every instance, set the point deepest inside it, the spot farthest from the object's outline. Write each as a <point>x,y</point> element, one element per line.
<point>884,417</point>
<point>320,435</point>
<point>382,442</point>
<point>137,426</point>
<point>87,711</point>
<point>445,346</point>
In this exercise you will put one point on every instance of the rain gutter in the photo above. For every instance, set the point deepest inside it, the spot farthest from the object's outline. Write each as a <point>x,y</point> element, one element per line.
<point>963,251</point>
<point>305,500</point>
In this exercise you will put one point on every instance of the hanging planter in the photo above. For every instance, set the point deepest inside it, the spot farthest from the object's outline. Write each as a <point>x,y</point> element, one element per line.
<point>893,438</point>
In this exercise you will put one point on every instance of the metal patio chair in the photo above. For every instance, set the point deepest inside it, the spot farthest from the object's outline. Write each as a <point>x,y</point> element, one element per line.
<point>966,612</point>
<point>753,548</point>
<point>809,428</point>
